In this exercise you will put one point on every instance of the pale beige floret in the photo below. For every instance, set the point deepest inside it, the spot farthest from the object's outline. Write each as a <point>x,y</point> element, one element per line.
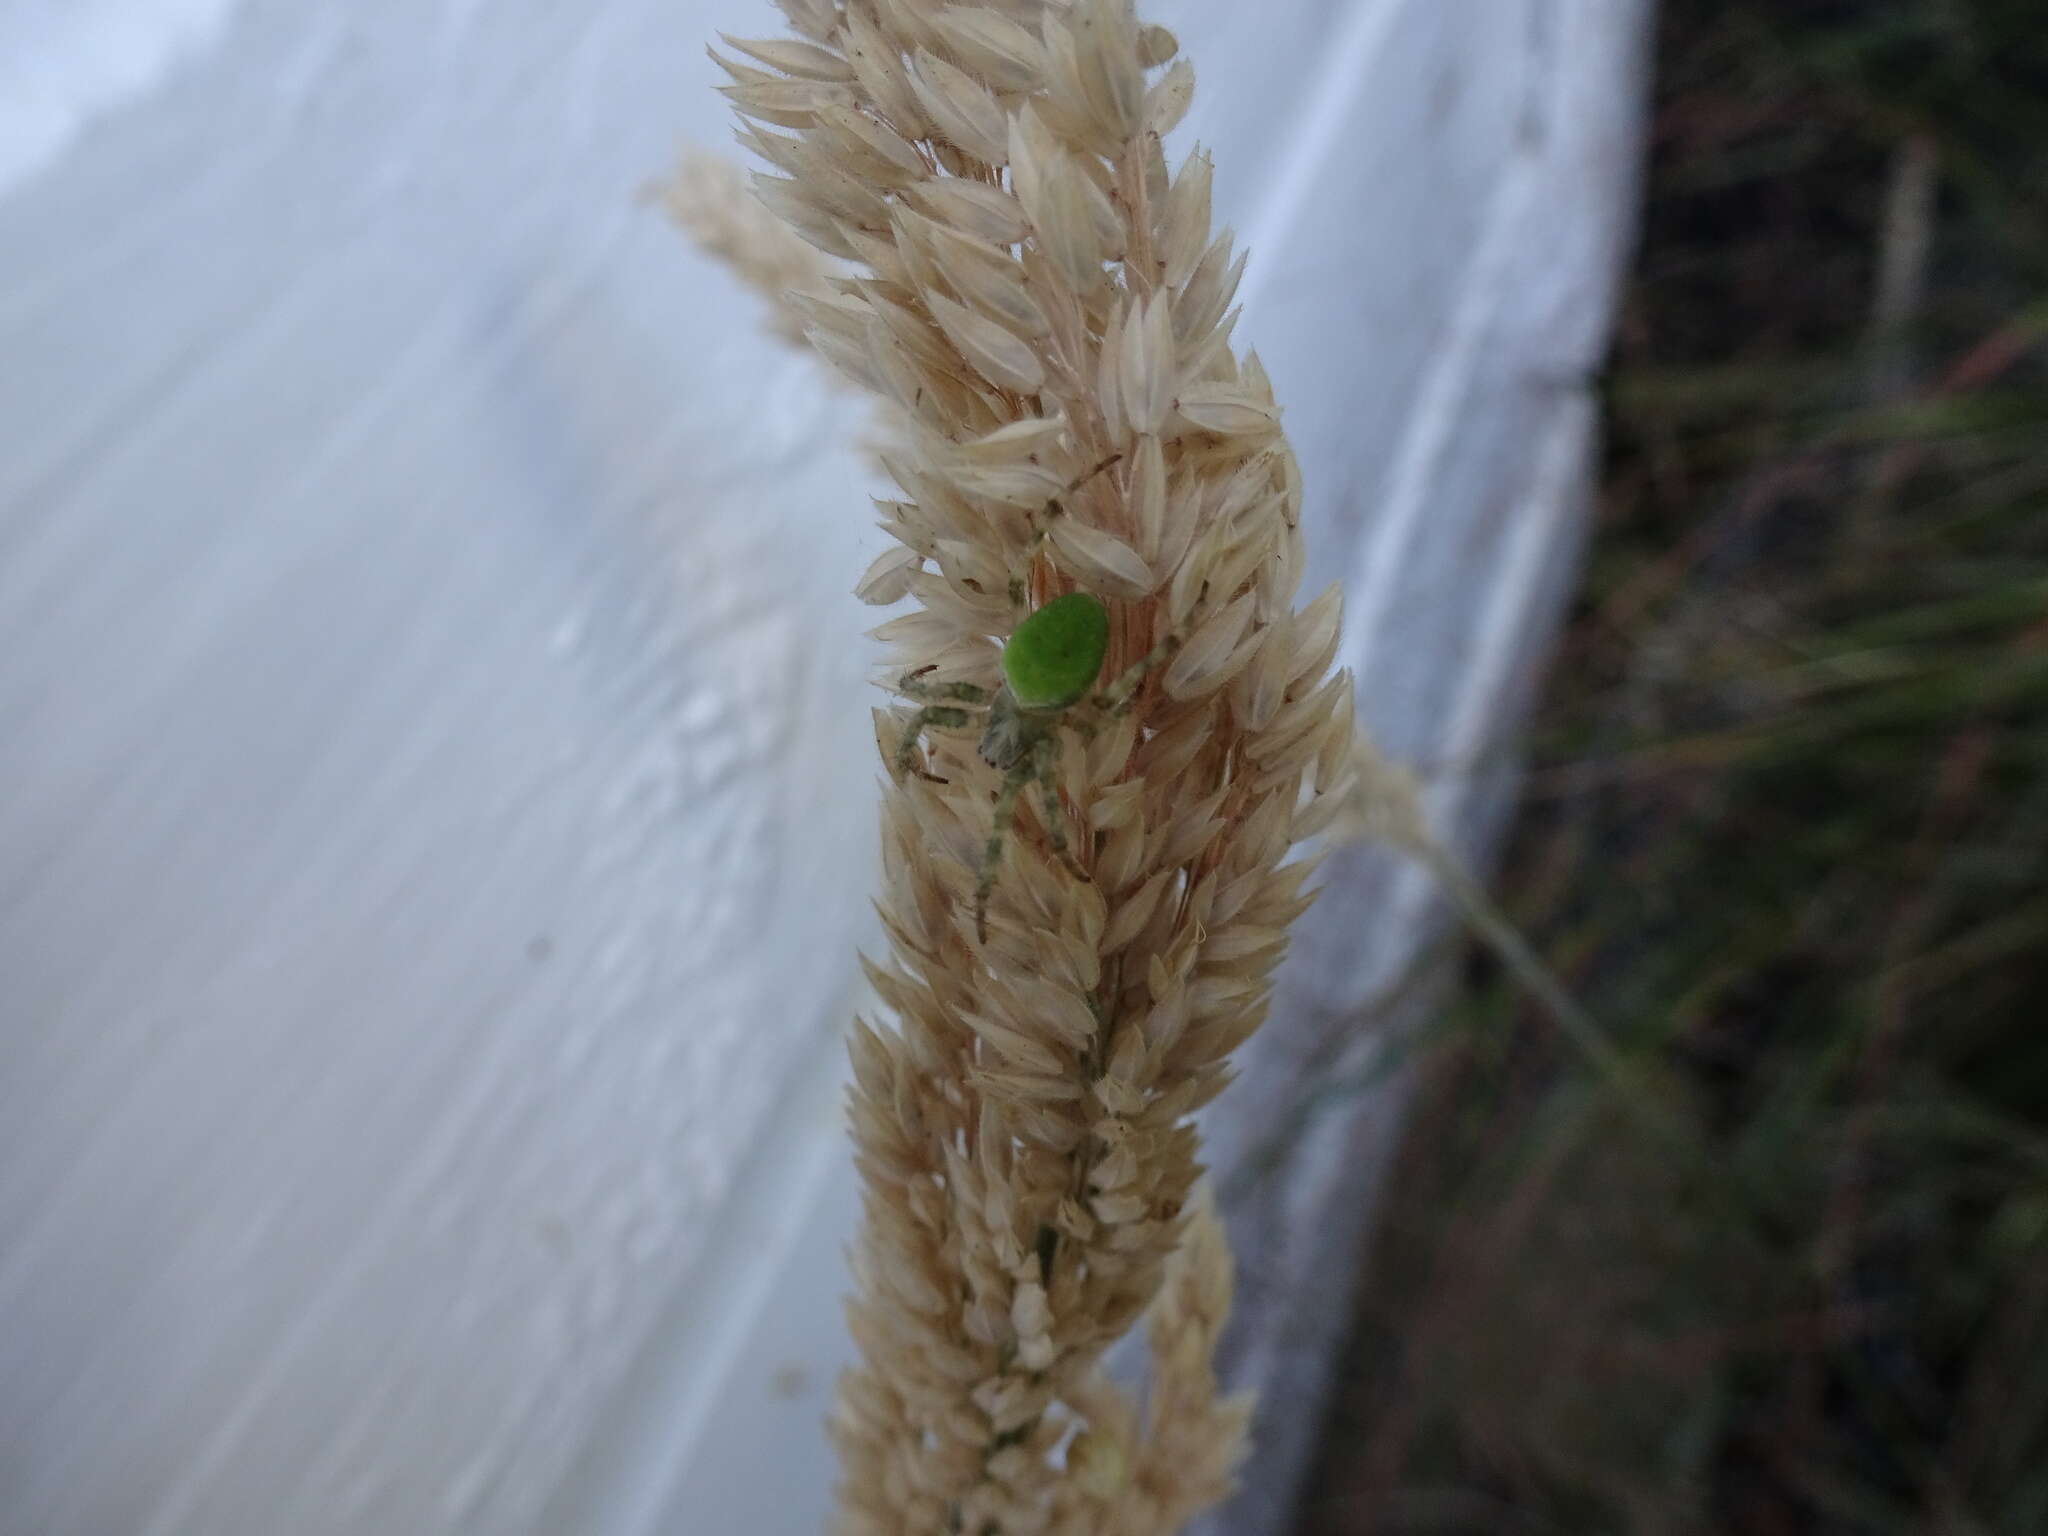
<point>1043,302</point>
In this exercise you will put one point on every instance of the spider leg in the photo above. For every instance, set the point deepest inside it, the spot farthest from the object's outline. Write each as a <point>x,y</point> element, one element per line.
<point>1051,812</point>
<point>927,693</point>
<point>992,855</point>
<point>1116,698</point>
<point>1041,524</point>
<point>929,715</point>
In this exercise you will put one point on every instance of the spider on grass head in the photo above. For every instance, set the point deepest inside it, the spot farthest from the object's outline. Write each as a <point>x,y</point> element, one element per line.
<point>1050,664</point>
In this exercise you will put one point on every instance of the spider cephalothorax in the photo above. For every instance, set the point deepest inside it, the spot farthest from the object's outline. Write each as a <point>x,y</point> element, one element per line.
<point>1050,664</point>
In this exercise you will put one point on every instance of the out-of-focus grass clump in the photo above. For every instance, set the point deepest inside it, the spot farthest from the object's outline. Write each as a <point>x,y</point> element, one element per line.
<point>1786,836</point>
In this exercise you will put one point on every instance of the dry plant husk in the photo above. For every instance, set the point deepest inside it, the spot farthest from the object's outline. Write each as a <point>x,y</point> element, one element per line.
<point>707,198</point>
<point>1038,296</point>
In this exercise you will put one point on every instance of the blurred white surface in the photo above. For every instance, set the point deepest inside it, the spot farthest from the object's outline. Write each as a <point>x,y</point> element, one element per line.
<point>435,779</point>
<point>69,61</point>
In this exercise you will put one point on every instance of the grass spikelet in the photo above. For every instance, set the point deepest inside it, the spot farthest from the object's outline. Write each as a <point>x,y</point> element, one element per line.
<point>1085,901</point>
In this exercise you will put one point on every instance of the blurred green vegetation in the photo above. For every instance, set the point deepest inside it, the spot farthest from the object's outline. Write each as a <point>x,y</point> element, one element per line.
<point>1786,837</point>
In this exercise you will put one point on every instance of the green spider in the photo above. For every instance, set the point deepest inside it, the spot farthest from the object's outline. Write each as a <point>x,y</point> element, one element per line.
<point>1050,664</point>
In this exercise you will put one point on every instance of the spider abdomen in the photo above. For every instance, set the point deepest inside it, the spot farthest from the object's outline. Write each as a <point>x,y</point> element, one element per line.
<point>1054,656</point>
